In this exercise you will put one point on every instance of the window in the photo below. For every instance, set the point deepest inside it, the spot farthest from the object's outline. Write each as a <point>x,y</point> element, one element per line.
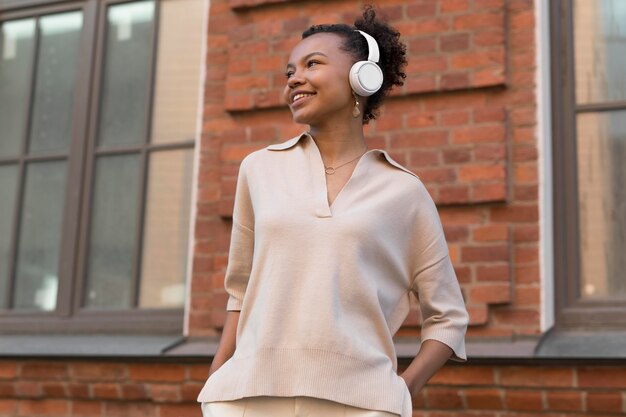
<point>98,108</point>
<point>589,91</point>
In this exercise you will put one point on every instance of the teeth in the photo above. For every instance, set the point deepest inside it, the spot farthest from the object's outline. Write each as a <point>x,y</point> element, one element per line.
<point>299,96</point>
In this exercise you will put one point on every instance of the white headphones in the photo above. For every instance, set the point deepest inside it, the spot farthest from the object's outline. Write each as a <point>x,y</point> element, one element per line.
<point>366,77</point>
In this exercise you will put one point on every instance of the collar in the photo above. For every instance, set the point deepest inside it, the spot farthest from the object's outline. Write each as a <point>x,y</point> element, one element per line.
<point>293,141</point>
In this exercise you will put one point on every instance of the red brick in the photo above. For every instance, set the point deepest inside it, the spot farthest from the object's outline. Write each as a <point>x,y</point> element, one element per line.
<point>424,45</point>
<point>458,155</point>
<point>453,6</point>
<point>527,274</point>
<point>78,390</point>
<point>7,390</point>
<point>423,119</point>
<point>54,389</point>
<point>489,152</point>
<point>237,152</point>
<point>443,398</point>
<point>28,389</point>
<point>524,400</point>
<point>422,9</point>
<point>8,370</point>
<point>489,76</point>
<point>525,296</point>
<point>565,400</point>
<point>517,317</point>
<point>491,233</point>
<point>493,37</point>
<point>485,253</point>
<point>454,81</point>
<point>484,399</point>
<point>480,134</point>
<point>524,19</point>
<point>8,407</point>
<point>479,20</point>
<point>424,64</point>
<point>424,158</point>
<point>604,402</point>
<point>134,391</point>
<point>157,372</point>
<point>178,410</point>
<point>165,392</point>
<point>488,192</point>
<point>463,375</point>
<point>525,153</point>
<point>198,372</point>
<point>602,377</point>
<point>422,139</point>
<point>189,392</point>
<point>481,172</point>
<point>454,118</point>
<point>454,42</point>
<point>421,27</point>
<point>528,213</point>
<point>47,408</point>
<point>86,408</point>
<point>491,293</point>
<point>453,194</point>
<point>419,84</point>
<point>44,370</point>
<point>537,377</point>
<point>105,390</point>
<point>478,315</point>
<point>129,409</point>
<point>477,59</point>
<point>437,174</point>
<point>493,273</point>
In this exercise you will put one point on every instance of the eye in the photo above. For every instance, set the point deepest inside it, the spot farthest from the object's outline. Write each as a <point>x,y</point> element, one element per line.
<point>311,63</point>
<point>288,74</point>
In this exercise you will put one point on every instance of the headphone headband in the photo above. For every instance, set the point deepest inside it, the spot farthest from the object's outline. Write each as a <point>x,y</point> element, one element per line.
<point>372,47</point>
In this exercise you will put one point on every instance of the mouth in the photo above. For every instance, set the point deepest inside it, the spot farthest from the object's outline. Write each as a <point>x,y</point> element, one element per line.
<point>300,97</point>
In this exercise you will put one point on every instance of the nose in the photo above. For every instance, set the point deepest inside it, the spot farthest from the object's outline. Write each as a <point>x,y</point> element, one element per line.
<point>295,79</point>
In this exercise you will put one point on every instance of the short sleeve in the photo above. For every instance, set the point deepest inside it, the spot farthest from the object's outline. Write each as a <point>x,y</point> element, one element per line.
<point>241,243</point>
<point>444,316</point>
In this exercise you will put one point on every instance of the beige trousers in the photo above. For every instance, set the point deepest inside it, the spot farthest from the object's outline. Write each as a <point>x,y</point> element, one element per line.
<point>264,406</point>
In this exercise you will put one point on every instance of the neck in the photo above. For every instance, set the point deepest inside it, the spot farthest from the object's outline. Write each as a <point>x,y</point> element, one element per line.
<point>339,143</point>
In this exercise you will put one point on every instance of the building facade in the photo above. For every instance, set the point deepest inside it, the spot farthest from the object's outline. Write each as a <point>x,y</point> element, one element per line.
<point>122,126</point>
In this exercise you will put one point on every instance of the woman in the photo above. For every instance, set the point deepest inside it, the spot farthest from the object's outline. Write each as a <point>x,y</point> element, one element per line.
<point>328,241</point>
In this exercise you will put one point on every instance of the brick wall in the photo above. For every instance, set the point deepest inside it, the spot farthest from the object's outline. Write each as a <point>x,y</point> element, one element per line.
<point>127,389</point>
<point>464,122</point>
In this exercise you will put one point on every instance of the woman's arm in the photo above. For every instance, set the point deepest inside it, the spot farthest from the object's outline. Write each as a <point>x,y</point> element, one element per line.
<point>431,356</point>
<point>227,344</point>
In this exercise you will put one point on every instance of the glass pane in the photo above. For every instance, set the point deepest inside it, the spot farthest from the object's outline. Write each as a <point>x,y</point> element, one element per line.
<point>36,277</point>
<point>126,85</point>
<point>113,229</point>
<point>8,189</point>
<point>178,71</point>
<point>166,232</point>
<point>51,127</point>
<point>602,199</point>
<point>17,41</point>
<point>600,50</point>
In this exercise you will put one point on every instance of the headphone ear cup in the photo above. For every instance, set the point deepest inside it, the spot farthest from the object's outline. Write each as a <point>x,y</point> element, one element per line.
<point>366,78</point>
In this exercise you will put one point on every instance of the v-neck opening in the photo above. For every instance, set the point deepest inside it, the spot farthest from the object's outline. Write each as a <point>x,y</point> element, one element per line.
<point>324,207</point>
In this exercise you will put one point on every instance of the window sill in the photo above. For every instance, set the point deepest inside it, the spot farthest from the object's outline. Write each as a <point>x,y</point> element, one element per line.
<point>554,347</point>
<point>86,346</point>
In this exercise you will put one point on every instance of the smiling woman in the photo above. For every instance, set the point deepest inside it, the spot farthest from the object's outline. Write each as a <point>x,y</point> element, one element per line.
<point>328,241</point>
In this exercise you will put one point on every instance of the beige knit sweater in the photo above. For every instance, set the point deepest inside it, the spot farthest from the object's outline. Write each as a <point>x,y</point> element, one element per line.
<point>322,289</point>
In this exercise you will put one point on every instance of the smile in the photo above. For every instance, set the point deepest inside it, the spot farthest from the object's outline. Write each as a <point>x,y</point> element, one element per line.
<point>300,96</point>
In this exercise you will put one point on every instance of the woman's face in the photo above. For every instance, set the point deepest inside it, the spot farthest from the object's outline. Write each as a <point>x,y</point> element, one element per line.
<point>318,89</point>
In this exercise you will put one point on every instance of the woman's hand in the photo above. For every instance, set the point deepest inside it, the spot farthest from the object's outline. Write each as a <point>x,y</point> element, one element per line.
<point>430,358</point>
<point>227,344</point>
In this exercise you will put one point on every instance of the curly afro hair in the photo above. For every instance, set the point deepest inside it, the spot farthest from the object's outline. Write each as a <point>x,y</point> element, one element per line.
<point>392,52</point>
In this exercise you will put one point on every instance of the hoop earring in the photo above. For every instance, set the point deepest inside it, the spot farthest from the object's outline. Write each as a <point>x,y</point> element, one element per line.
<point>356,112</point>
